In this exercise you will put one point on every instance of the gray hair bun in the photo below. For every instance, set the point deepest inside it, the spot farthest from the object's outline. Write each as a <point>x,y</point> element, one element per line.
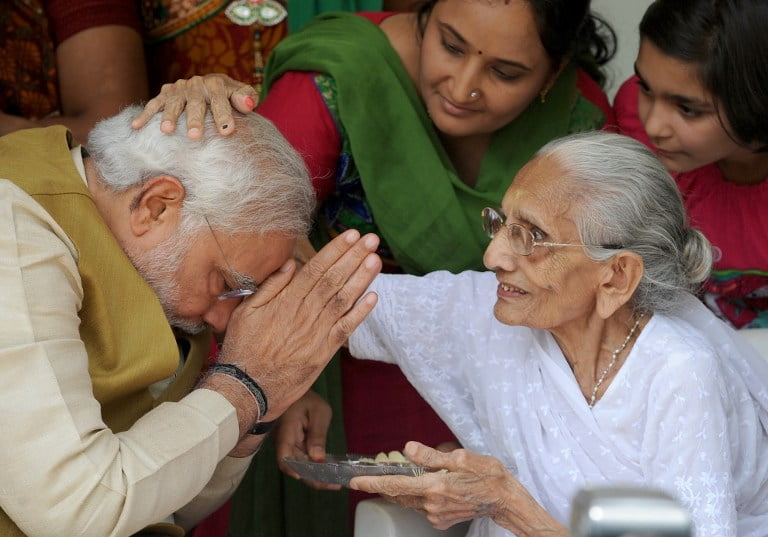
<point>625,196</point>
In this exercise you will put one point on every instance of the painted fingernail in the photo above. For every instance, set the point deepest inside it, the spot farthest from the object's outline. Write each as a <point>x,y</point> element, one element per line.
<point>250,103</point>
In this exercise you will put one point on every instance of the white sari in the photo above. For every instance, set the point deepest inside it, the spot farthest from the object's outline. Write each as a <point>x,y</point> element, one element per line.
<point>686,413</point>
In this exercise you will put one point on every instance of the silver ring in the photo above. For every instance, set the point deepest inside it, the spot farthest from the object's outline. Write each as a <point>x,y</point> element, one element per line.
<point>474,93</point>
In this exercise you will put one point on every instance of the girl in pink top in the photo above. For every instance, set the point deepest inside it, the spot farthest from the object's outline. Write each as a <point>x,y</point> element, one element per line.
<point>698,100</point>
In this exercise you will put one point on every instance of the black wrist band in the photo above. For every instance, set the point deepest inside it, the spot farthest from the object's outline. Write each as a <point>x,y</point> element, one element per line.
<point>234,371</point>
<point>263,427</point>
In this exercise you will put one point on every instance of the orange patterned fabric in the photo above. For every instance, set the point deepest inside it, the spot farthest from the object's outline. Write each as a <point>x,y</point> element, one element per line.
<point>187,38</point>
<point>30,31</point>
<point>28,85</point>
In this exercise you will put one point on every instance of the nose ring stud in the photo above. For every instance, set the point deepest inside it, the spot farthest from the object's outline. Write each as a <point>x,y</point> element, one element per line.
<point>474,93</point>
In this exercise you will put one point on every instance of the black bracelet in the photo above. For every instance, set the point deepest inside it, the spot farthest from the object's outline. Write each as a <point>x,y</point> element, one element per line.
<point>234,371</point>
<point>263,427</point>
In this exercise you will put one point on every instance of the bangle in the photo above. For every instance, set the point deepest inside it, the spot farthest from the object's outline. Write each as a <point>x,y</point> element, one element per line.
<point>237,373</point>
<point>263,427</point>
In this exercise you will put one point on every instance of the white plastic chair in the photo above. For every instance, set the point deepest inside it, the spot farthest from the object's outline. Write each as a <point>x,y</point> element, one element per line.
<point>378,518</point>
<point>604,512</point>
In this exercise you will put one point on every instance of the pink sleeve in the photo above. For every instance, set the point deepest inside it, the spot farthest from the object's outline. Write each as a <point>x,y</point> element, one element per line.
<point>592,91</point>
<point>376,17</point>
<point>297,109</point>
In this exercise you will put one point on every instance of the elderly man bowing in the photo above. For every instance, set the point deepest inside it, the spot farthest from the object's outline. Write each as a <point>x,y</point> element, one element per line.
<point>105,430</point>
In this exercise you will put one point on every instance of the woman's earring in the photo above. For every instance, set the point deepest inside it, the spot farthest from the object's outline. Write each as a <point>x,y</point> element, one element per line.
<point>543,96</point>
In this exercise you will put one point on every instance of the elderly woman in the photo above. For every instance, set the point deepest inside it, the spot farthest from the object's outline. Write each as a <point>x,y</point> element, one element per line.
<point>597,367</point>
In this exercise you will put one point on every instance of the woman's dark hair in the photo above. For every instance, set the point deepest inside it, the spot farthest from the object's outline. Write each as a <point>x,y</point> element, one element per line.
<point>728,41</point>
<point>568,31</point>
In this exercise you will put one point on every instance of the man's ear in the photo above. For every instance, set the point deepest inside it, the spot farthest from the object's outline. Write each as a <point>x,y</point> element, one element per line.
<point>619,279</point>
<point>157,205</point>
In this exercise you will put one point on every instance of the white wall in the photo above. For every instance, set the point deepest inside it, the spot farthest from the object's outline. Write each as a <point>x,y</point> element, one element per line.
<point>624,16</point>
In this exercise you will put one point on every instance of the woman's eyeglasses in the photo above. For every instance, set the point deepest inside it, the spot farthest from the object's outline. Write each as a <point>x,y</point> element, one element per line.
<point>520,238</point>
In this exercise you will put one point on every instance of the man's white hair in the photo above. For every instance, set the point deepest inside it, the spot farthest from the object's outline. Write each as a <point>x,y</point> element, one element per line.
<point>251,181</point>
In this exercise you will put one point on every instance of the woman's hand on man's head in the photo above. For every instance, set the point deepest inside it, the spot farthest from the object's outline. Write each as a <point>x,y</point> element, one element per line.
<point>196,95</point>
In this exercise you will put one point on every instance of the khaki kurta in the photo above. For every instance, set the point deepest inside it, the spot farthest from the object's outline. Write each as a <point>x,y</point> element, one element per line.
<point>82,337</point>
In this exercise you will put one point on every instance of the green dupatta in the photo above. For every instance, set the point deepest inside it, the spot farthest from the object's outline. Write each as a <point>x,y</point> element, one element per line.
<point>427,215</point>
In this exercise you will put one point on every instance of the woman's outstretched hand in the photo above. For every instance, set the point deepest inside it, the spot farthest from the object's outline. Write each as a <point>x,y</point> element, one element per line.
<point>196,95</point>
<point>470,486</point>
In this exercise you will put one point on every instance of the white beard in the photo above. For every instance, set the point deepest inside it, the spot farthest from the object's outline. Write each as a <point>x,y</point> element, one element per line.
<point>159,267</point>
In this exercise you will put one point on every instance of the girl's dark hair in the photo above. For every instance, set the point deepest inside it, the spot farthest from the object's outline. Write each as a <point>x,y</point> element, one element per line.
<point>568,31</point>
<point>728,41</point>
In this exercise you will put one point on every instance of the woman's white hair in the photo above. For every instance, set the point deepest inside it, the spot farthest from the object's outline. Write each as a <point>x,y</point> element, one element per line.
<point>625,196</point>
<point>251,181</point>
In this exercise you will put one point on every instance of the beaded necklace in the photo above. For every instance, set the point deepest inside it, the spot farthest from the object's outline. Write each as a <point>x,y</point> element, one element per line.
<point>612,363</point>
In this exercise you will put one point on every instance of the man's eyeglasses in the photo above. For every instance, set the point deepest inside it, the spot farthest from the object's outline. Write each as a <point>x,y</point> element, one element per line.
<point>520,238</point>
<point>245,285</point>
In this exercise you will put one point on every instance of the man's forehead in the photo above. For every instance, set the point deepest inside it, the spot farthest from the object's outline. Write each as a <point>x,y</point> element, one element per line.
<point>253,256</point>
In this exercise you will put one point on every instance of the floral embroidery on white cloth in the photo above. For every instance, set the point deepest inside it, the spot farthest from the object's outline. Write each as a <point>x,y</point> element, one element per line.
<point>687,412</point>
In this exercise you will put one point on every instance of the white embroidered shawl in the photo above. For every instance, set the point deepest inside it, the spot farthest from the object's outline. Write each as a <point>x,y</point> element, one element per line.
<point>687,411</point>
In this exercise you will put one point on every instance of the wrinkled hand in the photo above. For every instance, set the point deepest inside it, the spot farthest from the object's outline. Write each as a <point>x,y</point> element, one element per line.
<point>301,434</point>
<point>217,91</point>
<point>474,486</point>
<point>285,334</point>
<point>469,489</point>
<point>448,446</point>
